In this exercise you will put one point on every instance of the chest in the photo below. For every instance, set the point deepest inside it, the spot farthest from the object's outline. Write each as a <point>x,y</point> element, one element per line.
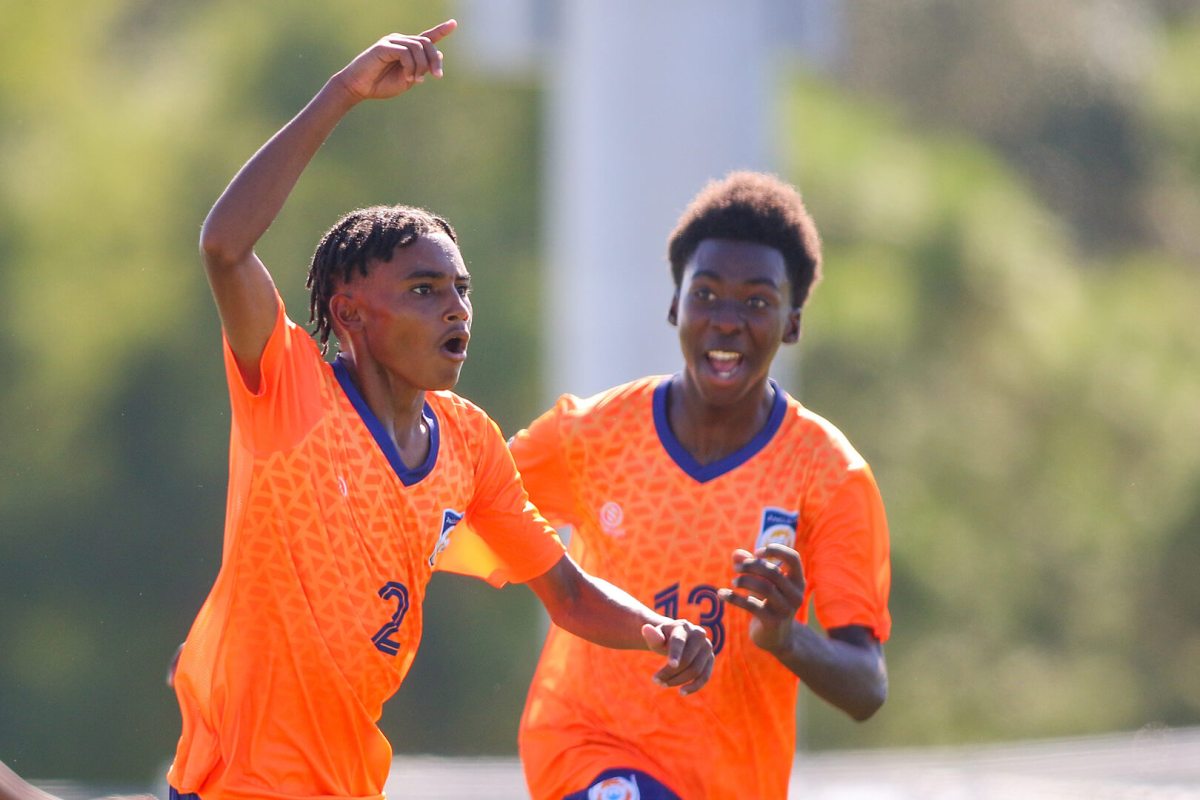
<point>645,516</point>
<point>372,514</point>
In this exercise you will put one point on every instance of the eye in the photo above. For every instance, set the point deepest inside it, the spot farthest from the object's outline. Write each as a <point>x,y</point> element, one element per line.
<point>757,303</point>
<point>464,289</point>
<point>422,289</point>
<point>703,293</point>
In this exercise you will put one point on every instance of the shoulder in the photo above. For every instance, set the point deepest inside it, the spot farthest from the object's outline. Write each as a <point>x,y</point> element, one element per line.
<point>457,413</point>
<point>627,399</point>
<point>817,437</point>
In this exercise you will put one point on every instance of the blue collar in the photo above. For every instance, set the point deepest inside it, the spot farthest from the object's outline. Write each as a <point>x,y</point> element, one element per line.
<point>706,472</point>
<point>407,476</point>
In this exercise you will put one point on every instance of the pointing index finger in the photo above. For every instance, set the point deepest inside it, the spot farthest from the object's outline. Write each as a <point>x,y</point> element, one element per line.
<point>441,31</point>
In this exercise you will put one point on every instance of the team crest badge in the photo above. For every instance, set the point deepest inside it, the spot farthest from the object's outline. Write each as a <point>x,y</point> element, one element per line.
<point>778,527</point>
<point>615,788</point>
<point>450,518</point>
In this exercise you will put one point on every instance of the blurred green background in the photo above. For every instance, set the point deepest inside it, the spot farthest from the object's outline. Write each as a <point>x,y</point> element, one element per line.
<point>1010,199</point>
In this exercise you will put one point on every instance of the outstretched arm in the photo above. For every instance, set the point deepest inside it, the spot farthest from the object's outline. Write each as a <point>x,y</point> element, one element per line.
<point>596,610</point>
<point>241,285</point>
<point>847,669</point>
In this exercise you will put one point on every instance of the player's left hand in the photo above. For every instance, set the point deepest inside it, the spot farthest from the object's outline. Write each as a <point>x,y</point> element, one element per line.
<point>769,584</point>
<point>689,654</point>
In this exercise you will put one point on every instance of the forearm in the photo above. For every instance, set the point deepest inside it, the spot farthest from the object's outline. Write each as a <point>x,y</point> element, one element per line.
<point>851,677</point>
<point>257,193</point>
<point>595,610</point>
<point>605,615</point>
<point>592,608</point>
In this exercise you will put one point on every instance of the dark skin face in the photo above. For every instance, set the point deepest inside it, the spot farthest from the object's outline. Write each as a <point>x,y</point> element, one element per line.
<point>733,309</point>
<point>405,326</point>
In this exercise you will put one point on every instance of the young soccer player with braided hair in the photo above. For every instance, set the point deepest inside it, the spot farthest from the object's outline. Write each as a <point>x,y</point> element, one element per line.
<point>347,481</point>
<point>714,462</point>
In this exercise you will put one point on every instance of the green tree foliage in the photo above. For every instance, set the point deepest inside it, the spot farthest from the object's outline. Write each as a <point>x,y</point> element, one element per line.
<point>1030,413</point>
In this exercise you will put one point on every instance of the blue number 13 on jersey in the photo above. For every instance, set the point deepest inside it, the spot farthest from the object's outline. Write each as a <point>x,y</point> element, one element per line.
<point>712,609</point>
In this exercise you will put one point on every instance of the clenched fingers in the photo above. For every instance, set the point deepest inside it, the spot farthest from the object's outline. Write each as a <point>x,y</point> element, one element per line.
<point>688,651</point>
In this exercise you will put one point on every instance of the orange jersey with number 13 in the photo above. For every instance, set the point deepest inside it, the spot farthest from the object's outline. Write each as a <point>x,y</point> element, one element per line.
<point>649,518</point>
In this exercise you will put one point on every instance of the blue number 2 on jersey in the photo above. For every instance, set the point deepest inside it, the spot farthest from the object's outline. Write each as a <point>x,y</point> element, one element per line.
<point>383,637</point>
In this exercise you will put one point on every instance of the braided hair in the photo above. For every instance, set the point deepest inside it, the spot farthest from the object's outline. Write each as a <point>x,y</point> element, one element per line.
<point>357,238</point>
<point>751,207</point>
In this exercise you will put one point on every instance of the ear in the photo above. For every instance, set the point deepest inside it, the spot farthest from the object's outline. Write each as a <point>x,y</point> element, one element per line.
<point>343,314</point>
<point>791,333</point>
<point>673,311</point>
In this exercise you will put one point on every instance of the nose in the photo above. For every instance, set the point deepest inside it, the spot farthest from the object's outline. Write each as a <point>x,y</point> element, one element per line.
<point>459,309</point>
<point>727,316</point>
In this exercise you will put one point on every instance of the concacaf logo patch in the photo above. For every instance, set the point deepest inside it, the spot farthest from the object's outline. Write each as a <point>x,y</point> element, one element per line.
<point>450,518</point>
<point>778,527</point>
<point>616,788</point>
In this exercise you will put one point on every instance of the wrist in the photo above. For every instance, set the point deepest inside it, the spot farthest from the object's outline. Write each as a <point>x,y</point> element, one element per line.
<point>337,90</point>
<point>783,645</point>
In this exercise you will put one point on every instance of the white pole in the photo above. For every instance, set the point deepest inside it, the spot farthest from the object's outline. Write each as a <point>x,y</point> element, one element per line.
<point>648,101</point>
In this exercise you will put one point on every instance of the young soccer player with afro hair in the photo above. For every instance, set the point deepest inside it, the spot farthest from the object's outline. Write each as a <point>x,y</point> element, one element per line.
<point>722,499</point>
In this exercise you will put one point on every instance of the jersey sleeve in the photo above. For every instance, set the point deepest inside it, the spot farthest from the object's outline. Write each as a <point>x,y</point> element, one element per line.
<point>287,403</point>
<point>539,452</point>
<point>847,562</point>
<point>503,538</point>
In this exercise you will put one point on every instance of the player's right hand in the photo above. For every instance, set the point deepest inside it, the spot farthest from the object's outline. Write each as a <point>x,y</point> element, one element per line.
<point>395,63</point>
<point>689,654</point>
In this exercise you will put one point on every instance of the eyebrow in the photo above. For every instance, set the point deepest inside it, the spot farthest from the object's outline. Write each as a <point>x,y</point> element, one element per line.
<point>433,275</point>
<point>712,276</point>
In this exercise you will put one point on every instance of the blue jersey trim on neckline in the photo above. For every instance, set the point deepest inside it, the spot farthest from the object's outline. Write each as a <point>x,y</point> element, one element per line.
<point>407,476</point>
<point>706,472</point>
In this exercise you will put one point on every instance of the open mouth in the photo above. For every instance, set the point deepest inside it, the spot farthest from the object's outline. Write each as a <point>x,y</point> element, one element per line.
<point>724,362</point>
<point>456,345</point>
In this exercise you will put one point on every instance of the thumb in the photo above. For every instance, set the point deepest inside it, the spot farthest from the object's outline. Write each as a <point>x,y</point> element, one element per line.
<point>441,31</point>
<point>654,639</point>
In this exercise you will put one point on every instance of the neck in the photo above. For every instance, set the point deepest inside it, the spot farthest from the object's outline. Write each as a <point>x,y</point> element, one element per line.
<point>399,408</point>
<point>710,432</point>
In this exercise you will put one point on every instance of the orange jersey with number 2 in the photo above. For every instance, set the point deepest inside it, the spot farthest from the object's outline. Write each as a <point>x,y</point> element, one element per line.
<point>330,540</point>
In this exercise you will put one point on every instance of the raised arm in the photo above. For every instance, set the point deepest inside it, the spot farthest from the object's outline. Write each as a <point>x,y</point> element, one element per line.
<point>241,284</point>
<point>596,610</point>
<point>846,669</point>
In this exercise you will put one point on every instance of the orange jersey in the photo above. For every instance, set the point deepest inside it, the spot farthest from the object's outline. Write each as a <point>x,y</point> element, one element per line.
<point>649,518</point>
<point>330,540</point>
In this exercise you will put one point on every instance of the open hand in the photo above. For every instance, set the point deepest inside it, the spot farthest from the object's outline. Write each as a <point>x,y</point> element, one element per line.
<point>689,654</point>
<point>769,584</point>
<point>395,63</point>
